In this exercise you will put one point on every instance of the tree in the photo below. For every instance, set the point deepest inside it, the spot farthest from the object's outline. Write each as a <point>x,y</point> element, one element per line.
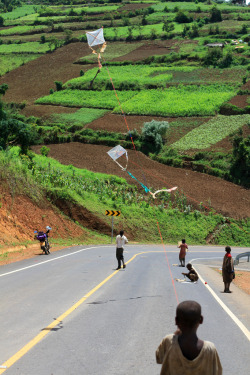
<point>53,42</point>
<point>181,17</point>
<point>215,15</point>
<point>240,168</point>
<point>9,5</point>
<point>151,136</point>
<point>194,32</point>
<point>212,56</point>
<point>144,20</point>
<point>167,26</point>
<point>14,132</point>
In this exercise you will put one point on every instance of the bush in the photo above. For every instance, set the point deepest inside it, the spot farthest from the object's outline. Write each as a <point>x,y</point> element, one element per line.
<point>44,151</point>
<point>59,85</point>
<point>43,39</point>
<point>151,136</point>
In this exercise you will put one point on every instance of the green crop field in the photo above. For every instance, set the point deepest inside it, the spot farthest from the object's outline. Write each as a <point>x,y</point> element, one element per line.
<point>137,75</point>
<point>80,98</point>
<point>32,47</point>
<point>100,9</point>
<point>20,12</point>
<point>179,101</point>
<point>141,75</point>
<point>19,30</point>
<point>81,117</point>
<point>211,132</point>
<point>190,6</point>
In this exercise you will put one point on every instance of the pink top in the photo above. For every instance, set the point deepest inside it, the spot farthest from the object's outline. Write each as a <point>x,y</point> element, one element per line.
<point>183,248</point>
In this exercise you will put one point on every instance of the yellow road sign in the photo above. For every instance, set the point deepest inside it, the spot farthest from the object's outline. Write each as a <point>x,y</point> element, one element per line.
<point>112,213</point>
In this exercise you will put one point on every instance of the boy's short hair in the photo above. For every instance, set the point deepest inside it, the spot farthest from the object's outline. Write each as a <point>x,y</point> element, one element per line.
<point>228,249</point>
<point>188,313</point>
<point>183,241</point>
<point>121,233</point>
<point>189,265</point>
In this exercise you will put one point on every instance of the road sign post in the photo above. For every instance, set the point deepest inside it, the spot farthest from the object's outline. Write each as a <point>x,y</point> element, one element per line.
<point>112,213</point>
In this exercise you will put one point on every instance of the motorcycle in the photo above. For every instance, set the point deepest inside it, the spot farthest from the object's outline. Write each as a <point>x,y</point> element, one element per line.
<point>43,238</point>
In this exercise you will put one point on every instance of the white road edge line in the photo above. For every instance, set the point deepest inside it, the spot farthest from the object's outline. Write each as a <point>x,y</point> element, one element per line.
<point>225,308</point>
<point>52,260</point>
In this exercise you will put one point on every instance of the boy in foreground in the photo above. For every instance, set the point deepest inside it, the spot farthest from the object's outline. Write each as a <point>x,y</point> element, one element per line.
<point>183,353</point>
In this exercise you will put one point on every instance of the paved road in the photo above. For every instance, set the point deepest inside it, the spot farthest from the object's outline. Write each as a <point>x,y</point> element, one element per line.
<point>117,327</point>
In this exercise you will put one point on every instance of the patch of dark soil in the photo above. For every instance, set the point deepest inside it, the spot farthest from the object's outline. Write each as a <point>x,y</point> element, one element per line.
<point>225,145</point>
<point>198,187</point>
<point>240,100</point>
<point>134,6</point>
<point>37,77</point>
<point>158,47</point>
<point>116,123</point>
<point>45,111</point>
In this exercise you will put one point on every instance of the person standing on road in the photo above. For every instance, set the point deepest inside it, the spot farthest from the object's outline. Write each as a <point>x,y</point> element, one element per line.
<point>183,249</point>
<point>183,353</point>
<point>228,269</point>
<point>121,240</point>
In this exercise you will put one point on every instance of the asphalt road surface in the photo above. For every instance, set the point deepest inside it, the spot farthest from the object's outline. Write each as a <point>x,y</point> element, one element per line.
<point>71,313</point>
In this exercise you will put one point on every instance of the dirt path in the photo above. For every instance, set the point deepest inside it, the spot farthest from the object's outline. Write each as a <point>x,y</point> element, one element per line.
<point>226,198</point>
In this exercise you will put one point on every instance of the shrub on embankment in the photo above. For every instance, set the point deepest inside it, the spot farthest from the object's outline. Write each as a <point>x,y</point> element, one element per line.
<point>139,212</point>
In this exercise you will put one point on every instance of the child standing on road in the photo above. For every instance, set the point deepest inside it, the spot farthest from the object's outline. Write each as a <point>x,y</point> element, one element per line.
<point>183,249</point>
<point>183,353</point>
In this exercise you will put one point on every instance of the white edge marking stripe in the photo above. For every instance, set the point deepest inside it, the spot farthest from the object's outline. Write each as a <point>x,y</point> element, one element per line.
<point>227,310</point>
<point>52,260</point>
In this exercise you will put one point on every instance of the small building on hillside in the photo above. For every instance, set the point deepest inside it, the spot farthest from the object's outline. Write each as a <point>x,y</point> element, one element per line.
<point>211,45</point>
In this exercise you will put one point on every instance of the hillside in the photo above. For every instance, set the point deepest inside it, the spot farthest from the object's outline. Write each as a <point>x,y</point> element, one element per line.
<point>157,66</point>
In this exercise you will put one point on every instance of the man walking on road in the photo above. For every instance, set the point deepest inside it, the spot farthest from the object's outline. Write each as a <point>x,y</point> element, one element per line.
<point>121,240</point>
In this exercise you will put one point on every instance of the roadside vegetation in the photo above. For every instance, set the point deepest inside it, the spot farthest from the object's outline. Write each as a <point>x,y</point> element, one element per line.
<point>40,175</point>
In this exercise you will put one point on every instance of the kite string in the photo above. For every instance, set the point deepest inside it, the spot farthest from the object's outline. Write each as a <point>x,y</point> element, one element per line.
<point>141,184</point>
<point>124,117</point>
<point>171,275</point>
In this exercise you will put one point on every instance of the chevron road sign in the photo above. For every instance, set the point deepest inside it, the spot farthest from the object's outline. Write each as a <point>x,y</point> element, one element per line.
<point>112,213</point>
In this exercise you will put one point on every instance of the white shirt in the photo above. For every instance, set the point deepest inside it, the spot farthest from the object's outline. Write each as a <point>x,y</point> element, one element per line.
<point>120,241</point>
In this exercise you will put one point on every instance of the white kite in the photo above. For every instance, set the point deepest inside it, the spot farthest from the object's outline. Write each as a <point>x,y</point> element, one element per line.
<point>96,39</point>
<point>117,152</point>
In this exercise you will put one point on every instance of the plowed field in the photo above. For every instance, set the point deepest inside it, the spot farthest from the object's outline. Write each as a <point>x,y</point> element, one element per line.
<point>226,198</point>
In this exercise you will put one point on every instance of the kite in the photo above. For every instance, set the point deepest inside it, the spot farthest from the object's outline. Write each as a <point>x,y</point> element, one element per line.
<point>96,41</point>
<point>117,152</point>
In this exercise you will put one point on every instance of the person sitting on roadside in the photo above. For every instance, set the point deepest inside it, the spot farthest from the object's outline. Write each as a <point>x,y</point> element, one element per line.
<point>192,274</point>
